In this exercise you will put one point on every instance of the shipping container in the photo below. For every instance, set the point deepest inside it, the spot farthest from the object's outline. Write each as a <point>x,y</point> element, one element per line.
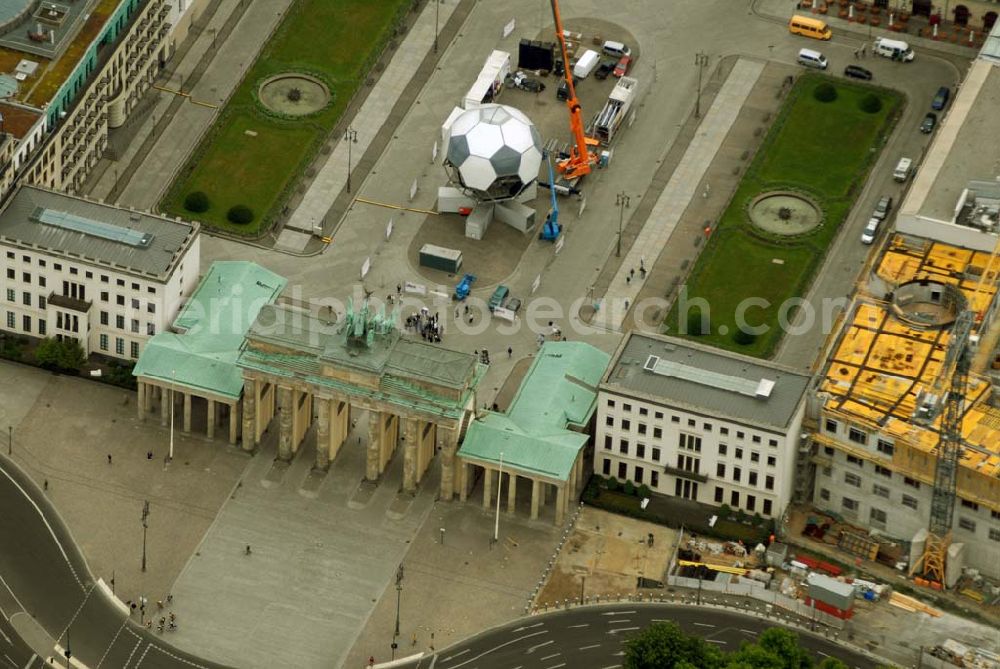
<point>438,257</point>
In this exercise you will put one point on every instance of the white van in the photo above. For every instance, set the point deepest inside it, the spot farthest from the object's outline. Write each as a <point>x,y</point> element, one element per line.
<point>903,169</point>
<point>811,58</point>
<point>616,49</point>
<point>588,61</point>
<point>893,48</point>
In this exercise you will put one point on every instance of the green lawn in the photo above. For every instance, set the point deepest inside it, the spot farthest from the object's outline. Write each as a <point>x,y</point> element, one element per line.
<point>335,39</point>
<point>822,149</point>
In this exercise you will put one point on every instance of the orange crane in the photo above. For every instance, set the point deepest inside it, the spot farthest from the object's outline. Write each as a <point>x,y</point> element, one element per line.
<point>580,159</point>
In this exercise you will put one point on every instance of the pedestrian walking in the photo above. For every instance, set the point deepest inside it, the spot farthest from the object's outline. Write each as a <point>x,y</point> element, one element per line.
<point>631,272</point>
<point>247,552</point>
<point>510,352</point>
<point>45,485</point>
<point>399,289</point>
<point>467,308</point>
<point>628,279</point>
<point>642,272</point>
<point>642,263</point>
<point>170,598</point>
<point>109,458</point>
<point>470,319</point>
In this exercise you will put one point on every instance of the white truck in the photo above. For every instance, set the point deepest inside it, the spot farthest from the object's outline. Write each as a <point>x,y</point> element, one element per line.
<point>586,64</point>
<point>892,48</point>
<point>609,120</point>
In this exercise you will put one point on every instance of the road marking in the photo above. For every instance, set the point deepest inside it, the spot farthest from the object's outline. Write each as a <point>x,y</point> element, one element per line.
<point>612,666</point>
<point>528,627</point>
<point>4,635</point>
<point>750,632</point>
<point>51,531</point>
<point>703,625</point>
<point>556,666</point>
<point>16,600</point>
<point>617,613</point>
<point>11,661</point>
<point>619,620</point>
<point>539,645</point>
<point>822,653</point>
<point>580,625</point>
<point>549,657</point>
<point>622,629</point>
<point>594,645</point>
<point>449,659</point>
<point>718,641</point>
<point>506,643</point>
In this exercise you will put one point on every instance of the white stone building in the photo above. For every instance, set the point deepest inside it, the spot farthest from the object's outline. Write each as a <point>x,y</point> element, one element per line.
<point>108,277</point>
<point>699,423</point>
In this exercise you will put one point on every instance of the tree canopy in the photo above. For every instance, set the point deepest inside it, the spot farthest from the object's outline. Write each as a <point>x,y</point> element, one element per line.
<point>664,646</point>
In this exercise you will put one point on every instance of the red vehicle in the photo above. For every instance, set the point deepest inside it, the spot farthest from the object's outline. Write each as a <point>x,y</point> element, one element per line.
<point>621,69</point>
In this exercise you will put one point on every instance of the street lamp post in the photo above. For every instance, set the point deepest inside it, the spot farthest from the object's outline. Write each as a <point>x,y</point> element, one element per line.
<point>145,526</point>
<point>351,137</point>
<point>437,12</point>
<point>10,440</point>
<point>496,525</point>
<point>583,585</point>
<point>700,61</point>
<point>621,201</point>
<point>399,593</point>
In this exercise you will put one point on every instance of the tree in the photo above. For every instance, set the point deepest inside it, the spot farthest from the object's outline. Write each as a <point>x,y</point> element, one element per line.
<point>698,323</point>
<point>629,488</point>
<point>240,214</point>
<point>870,104</point>
<point>197,202</point>
<point>664,646</point>
<point>825,92</point>
<point>65,355</point>
<point>744,338</point>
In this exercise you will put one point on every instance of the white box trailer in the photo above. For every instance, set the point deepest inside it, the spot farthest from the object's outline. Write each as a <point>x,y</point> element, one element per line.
<point>609,120</point>
<point>490,81</point>
<point>586,64</point>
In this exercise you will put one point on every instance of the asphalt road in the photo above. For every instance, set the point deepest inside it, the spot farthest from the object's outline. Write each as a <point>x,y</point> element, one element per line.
<point>49,600</point>
<point>591,638</point>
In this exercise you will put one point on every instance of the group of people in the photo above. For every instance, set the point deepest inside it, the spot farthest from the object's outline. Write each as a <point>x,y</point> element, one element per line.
<point>429,327</point>
<point>167,622</point>
<point>642,271</point>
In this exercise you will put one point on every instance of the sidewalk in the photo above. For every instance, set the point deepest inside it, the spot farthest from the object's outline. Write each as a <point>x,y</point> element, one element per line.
<point>680,190</point>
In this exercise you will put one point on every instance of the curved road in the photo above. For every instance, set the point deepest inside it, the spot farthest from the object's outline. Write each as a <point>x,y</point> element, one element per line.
<point>49,599</point>
<point>591,637</point>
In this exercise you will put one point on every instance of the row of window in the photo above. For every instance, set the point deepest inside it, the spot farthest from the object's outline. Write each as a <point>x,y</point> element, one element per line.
<point>102,343</point>
<point>860,437</point>
<point>135,325</point>
<point>686,442</point>
<point>878,518</point>
<point>26,324</point>
<point>691,422</point>
<point>74,271</point>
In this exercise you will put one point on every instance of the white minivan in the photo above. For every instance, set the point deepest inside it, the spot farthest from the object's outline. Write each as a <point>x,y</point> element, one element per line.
<point>811,58</point>
<point>893,48</point>
<point>616,49</point>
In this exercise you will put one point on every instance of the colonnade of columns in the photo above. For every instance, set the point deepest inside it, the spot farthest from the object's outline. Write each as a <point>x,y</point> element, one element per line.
<point>298,408</point>
<point>217,412</point>
<point>494,480</point>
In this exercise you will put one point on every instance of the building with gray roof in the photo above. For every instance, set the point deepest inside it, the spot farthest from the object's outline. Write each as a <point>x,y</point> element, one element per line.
<point>106,276</point>
<point>700,423</point>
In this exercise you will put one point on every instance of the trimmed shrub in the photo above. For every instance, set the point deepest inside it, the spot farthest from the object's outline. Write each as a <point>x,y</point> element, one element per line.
<point>196,202</point>
<point>611,484</point>
<point>744,338</point>
<point>240,214</point>
<point>697,323</point>
<point>725,511</point>
<point>870,104</point>
<point>825,92</point>
<point>644,491</point>
<point>629,488</point>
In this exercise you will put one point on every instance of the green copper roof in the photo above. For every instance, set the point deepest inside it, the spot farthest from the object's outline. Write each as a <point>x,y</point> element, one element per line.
<point>212,324</point>
<point>559,392</point>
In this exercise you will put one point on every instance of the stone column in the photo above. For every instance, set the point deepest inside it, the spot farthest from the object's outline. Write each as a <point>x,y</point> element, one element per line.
<point>373,455</point>
<point>323,433</point>
<point>449,444</point>
<point>234,421</point>
<point>487,487</point>
<point>411,435</point>
<point>542,492</point>
<point>187,413</point>
<point>285,423</point>
<point>463,490</point>
<point>165,397</point>
<point>140,400</point>
<point>212,417</point>
<point>560,504</point>
<point>249,414</point>
<point>511,492</point>
<point>535,496</point>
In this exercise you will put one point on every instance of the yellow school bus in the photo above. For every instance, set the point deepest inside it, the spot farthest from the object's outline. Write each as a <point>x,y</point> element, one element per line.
<point>815,28</point>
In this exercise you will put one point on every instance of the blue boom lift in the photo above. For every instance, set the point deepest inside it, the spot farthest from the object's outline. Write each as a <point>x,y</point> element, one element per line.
<point>551,229</point>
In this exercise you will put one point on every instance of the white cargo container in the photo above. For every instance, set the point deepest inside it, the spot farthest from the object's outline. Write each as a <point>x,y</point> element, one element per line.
<point>616,109</point>
<point>489,83</point>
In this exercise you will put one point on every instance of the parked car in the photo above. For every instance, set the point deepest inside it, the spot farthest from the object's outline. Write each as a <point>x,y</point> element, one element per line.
<point>526,83</point>
<point>513,304</point>
<point>562,93</point>
<point>868,236</point>
<point>930,120</point>
<point>940,100</point>
<point>498,297</point>
<point>621,69</point>
<point>604,69</point>
<point>883,208</point>
<point>857,72</point>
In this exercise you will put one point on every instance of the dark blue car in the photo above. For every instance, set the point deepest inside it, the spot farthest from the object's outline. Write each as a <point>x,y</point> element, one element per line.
<point>941,98</point>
